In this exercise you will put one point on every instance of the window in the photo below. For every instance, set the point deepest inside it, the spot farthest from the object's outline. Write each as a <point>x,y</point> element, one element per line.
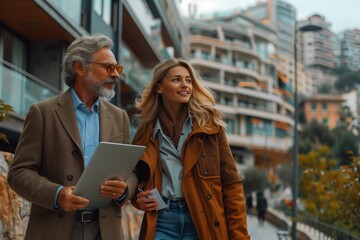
<point>205,55</point>
<point>230,125</point>
<point>325,121</point>
<point>313,106</point>
<point>324,107</point>
<point>103,9</point>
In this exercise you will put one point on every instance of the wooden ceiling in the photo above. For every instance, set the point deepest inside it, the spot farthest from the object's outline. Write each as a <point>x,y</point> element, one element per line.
<point>30,21</point>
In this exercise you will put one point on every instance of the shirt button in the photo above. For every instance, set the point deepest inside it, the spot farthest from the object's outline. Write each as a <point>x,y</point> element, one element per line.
<point>203,154</point>
<point>209,197</point>
<point>206,173</point>
<point>216,224</point>
<point>70,177</point>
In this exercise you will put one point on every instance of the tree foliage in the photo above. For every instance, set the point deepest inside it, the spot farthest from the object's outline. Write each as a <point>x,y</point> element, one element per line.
<point>315,135</point>
<point>285,173</point>
<point>5,110</point>
<point>347,81</point>
<point>329,193</point>
<point>253,179</point>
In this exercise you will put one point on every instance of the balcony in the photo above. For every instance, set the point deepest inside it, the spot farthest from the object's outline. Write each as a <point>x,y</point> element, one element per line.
<point>20,89</point>
<point>254,141</point>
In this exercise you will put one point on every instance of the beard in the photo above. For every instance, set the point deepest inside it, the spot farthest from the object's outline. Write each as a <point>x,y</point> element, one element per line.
<point>104,92</point>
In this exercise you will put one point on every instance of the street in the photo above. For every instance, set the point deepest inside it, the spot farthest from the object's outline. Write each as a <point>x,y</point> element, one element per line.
<point>257,232</point>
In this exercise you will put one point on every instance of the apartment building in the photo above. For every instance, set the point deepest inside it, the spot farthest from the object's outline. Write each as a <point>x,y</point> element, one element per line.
<point>34,35</point>
<point>350,49</point>
<point>281,16</point>
<point>235,56</point>
<point>317,51</point>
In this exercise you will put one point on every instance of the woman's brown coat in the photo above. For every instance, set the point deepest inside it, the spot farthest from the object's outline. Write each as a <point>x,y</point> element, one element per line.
<point>210,183</point>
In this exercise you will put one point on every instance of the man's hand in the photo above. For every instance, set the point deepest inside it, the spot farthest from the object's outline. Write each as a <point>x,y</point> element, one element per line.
<point>70,202</point>
<point>113,189</point>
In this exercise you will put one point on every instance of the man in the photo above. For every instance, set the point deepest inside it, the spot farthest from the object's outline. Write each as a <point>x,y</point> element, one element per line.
<point>59,138</point>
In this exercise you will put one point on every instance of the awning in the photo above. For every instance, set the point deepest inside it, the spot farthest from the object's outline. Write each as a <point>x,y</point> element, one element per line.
<point>282,77</point>
<point>248,84</point>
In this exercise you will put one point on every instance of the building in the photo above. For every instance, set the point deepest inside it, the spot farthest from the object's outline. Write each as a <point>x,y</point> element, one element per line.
<point>34,35</point>
<point>324,108</point>
<point>281,16</point>
<point>317,51</point>
<point>350,49</point>
<point>235,56</point>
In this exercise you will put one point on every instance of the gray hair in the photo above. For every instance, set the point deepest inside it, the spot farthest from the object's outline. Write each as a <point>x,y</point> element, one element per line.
<point>82,50</point>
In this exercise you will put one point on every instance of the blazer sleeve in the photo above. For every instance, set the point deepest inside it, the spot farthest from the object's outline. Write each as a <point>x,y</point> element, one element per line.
<point>23,176</point>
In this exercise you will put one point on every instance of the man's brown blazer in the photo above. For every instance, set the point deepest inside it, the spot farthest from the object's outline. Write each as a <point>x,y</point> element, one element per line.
<point>49,154</point>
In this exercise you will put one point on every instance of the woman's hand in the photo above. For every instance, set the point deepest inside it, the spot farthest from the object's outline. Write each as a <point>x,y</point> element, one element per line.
<point>145,202</point>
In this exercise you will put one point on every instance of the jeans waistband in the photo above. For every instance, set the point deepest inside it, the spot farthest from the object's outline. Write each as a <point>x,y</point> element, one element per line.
<point>175,202</point>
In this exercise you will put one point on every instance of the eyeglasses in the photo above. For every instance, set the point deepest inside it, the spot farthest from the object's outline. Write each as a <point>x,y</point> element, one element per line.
<point>110,67</point>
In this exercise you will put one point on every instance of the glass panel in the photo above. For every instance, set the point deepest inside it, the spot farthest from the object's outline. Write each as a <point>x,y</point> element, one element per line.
<point>20,91</point>
<point>143,14</point>
<point>107,11</point>
<point>98,7</point>
<point>72,8</point>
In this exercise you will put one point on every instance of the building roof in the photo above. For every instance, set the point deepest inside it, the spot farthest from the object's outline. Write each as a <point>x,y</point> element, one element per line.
<point>325,97</point>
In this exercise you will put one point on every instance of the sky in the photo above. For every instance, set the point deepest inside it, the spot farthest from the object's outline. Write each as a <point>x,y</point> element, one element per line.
<point>341,14</point>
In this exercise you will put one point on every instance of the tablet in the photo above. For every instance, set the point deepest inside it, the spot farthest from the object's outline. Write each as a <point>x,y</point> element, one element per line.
<point>109,161</point>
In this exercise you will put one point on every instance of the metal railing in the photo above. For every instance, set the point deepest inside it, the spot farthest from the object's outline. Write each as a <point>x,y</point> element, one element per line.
<point>21,89</point>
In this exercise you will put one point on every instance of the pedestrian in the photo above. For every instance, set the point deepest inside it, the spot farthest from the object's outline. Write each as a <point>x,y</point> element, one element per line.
<point>59,137</point>
<point>249,203</point>
<point>261,206</point>
<point>187,159</point>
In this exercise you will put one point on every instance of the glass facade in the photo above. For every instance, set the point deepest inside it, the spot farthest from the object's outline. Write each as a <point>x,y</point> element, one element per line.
<point>70,9</point>
<point>21,90</point>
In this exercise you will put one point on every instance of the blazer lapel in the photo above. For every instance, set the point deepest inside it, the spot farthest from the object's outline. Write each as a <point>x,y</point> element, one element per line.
<point>106,121</point>
<point>67,117</point>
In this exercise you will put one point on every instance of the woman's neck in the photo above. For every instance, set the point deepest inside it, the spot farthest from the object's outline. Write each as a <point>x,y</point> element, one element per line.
<point>173,111</point>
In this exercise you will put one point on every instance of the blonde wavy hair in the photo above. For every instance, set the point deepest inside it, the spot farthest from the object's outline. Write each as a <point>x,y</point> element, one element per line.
<point>201,104</point>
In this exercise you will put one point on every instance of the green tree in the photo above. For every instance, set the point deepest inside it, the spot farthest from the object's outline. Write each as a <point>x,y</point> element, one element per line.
<point>285,173</point>
<point>253,179</point>
<point>346,147</point>
<point>318,200</point>
<point>345,184</point>
<point>329,193</point>
<point>315,135</point>
<point>5,111</point>
<point>325,88</point>
<point>347,81</point>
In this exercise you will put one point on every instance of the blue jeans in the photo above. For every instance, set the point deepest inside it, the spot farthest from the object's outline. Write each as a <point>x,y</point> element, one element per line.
<point>175,222</point>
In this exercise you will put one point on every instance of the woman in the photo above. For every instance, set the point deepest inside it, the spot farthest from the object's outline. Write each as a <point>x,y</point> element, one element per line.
<point>187,159</point>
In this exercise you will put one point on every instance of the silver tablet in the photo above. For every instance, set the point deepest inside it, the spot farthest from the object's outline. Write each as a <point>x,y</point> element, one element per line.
<point>109,161</point>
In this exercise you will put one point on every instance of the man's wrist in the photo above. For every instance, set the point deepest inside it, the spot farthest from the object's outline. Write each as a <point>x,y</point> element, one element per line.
<point>122,197</point>
<point>56,204</point>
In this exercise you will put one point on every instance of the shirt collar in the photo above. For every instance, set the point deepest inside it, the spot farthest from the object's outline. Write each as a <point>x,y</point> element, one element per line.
<point>77,101</point>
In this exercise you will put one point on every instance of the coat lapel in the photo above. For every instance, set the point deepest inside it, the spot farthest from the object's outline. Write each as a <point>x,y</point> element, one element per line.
<point>106,121</point>
<point>66,115</point>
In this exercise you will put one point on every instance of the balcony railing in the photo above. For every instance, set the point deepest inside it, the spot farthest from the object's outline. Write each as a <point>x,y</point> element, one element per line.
<point>20,89</point>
